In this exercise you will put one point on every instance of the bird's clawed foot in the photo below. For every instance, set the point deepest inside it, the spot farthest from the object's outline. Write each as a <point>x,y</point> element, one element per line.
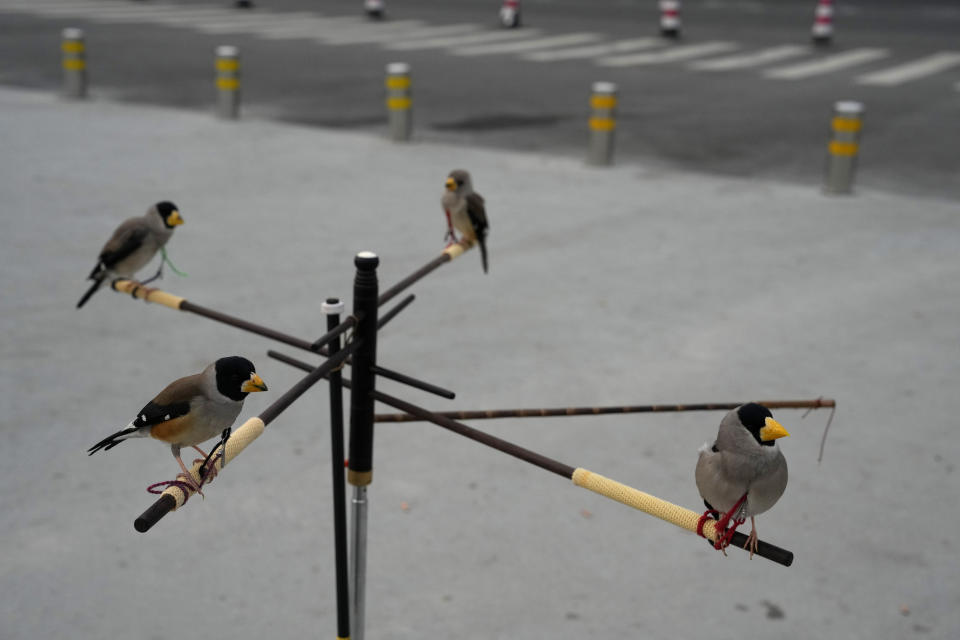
<point>157,275</point>
<point>751,543</point>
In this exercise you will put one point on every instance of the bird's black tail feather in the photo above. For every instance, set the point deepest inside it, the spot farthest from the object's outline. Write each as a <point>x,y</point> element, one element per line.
<point>483,251</point>
<point>92,290</point>
<point>111,441</point>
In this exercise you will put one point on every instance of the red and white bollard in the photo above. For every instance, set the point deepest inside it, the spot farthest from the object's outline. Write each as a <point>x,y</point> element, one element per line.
<point>670,18</point>
<point>822,30</point>
<point>510,14</point>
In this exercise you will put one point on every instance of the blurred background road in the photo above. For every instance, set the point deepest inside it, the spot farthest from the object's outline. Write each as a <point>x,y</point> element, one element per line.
<point>742,93</point>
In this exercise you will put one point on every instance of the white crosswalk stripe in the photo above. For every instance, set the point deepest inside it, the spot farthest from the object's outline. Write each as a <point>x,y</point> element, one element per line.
<point>374,31</point>
<point>376,35</point>
<point>827,64</point>
<point>310,27</point>
<point>673,54</point>
<point>594,51</point>
<point>248,23</point>
<point>454,41</point>
<point>912,70</point>
<point>752,59</point>
<point>527,45</point>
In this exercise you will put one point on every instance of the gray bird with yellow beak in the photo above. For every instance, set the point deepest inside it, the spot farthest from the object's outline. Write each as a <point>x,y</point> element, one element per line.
<point>193,409</point>
<point>465,211</point>
<point>133,244</point>
<point>744,460</point>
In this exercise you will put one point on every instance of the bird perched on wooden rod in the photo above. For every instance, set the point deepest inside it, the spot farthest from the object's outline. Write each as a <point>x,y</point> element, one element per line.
<point>133,244</point>
<point>743,472</point>
<point>193,409</point>
<point>465,212</point>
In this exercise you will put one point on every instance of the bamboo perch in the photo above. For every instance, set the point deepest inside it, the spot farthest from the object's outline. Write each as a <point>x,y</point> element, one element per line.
<point>157,296</point>
<point>674,514</point>
<point>594,411</point>
<point>175,496</point>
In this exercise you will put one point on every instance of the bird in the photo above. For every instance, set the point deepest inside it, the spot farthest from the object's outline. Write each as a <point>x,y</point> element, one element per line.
<point>193,409</point>
<point>133,244</point>
<point>465,211</point>
<point>743,471</point>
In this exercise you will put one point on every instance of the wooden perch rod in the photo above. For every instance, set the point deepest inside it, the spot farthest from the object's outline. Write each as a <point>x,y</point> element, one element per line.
<point>595,411</point>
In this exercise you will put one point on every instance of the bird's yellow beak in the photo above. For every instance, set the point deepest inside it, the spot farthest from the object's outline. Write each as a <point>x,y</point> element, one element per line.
<point>174,219</point>
<point>451,184</point>
<point>254,384</point>
<point>772,430</point>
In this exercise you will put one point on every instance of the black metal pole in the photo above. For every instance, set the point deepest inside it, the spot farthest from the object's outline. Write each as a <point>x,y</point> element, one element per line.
<point>363,382</point>
<point>332,308</point>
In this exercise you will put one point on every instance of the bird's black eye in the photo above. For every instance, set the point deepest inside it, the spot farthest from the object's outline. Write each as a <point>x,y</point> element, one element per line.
<point>459,183</point>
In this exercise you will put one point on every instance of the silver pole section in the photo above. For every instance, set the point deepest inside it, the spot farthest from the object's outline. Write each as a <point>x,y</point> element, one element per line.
<point>74,49</point>
<point>603,123</point>
<point>228,82</point>
<point>358,558</point>
<point>399,101</point>
<point>844,147</point>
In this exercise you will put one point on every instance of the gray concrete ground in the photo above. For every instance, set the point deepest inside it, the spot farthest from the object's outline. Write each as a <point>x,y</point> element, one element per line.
<point>628,285</point>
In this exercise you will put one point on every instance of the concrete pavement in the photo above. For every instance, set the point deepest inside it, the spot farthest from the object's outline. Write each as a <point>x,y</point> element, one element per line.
<point>627,285</point>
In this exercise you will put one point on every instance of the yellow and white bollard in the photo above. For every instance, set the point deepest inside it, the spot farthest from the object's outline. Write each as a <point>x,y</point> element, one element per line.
<point>844,147</point>
<point>228,82</point>
<point>603,123</point>
<point>399,101</point>
<point>670,18</point>
<point>74,49</point>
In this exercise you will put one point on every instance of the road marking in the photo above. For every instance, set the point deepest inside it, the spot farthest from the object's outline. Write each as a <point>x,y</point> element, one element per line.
<point>752,59</point>
<point>673,54</point>
<point>248,23</point>
<point>310,28</point>
<point>911,70</point>
<point>453,41</point>
<point>378,35</point>
<point>375,31</point>
<point>526,45</point>
<point>593,51</point>
<point>67,8</point>
<point>826,64</point>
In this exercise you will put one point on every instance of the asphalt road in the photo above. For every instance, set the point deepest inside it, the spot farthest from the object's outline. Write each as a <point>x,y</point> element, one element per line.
<point>746,121</point>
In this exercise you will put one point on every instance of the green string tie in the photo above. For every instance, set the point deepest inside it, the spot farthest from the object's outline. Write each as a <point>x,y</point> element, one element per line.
<point>163,252</point>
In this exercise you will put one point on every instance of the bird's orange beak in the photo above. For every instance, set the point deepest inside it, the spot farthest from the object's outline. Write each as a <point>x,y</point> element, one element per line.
<point>174,218</point>
<point>451,184</point>
<point>772,430</point>
<point>254,384</point>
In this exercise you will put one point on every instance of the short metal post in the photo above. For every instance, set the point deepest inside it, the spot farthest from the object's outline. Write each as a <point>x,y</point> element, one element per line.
<point>822,30</point>
<point>74,48</point>
<point>228,82</point>
<point>670,18</point>
<point>844,147</point>
<point>603,123</point>
<point>399,101</point>
<point>362,383</point>
<point>332,308</point>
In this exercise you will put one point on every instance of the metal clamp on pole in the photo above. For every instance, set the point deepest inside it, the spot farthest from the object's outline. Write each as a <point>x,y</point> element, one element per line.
<point>399,101</point>
<point>363,380</point>
<point>844,146</point>
<point>603,123</point>
<point>74,49</point>
<point>228,82</point>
